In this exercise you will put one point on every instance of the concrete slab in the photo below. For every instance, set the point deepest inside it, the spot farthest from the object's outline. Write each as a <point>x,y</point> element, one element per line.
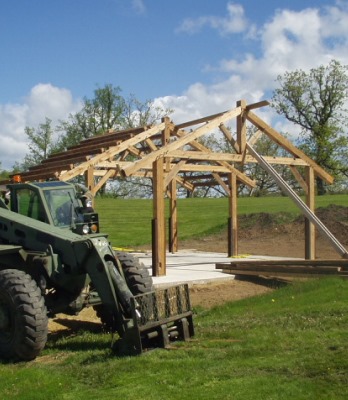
<point>192,267</point>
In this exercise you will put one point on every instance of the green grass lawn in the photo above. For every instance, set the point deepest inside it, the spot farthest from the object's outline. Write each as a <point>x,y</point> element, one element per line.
<point>128,222</point>
<point>287,344</point>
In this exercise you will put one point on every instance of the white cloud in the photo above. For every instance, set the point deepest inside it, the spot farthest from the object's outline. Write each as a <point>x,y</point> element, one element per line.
<point>233,22</point>
<point>138,6</point>
<point>290,40</point>
<point>294,40</point>
<point>49,101</point>
<point>202,100</point>
<point>44,100</point>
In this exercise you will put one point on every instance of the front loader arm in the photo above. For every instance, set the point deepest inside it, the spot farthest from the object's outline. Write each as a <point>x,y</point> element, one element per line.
<point>102,268</point>
<point>146,320</point>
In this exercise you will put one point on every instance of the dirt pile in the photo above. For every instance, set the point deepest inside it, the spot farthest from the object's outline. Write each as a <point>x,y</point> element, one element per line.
<point>334,217</point>
<point>278,234</point>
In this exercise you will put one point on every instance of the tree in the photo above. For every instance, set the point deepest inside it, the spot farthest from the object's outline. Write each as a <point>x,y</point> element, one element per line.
<point>3,173</point>
<point>40,144</point>
<point>137,113</point>
<point>105,111</point>
<point>315,101</point>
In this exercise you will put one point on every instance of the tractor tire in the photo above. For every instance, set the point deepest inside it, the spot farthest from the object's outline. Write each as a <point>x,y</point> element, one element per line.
<point>23,316</point>
<point>136,274</point>
<point>138,281</point>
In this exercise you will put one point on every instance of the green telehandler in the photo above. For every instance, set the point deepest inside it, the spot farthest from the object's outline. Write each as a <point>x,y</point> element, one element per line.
<point>53,259</point>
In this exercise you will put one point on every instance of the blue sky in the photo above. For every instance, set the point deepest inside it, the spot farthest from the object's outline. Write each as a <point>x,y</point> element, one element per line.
<point>197,57</point>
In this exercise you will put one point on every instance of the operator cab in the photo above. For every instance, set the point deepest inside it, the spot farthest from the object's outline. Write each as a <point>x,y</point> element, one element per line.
<point>56,203</point>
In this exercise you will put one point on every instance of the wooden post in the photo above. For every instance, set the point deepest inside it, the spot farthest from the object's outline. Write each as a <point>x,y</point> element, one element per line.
<point>241,127</point>
<point>232,219</point>
<point>89,179</point>
<point>173,218</point>
<point>309,226</point>
<point>166,131</point>
<point>166,138</point>
<point>158,222</point>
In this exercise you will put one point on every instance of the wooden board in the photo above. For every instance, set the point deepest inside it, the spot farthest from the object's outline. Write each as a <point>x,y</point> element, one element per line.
<point>286,261</point>
<point>286,267</point>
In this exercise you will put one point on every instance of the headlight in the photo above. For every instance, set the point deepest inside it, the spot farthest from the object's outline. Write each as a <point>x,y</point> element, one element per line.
<point>85,229</point>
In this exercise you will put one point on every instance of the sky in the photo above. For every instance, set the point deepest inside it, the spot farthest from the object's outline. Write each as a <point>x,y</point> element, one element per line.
<point>195,57</point>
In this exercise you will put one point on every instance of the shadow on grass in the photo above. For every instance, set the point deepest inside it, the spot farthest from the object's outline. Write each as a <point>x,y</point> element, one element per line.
<point>93,344</point>
<point>78,336</point>
<point>273,283</point>
<point>90,338</point>
<point>75,325</point>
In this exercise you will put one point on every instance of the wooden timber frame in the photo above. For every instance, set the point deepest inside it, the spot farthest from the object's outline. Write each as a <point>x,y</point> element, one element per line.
<point>172,155</point>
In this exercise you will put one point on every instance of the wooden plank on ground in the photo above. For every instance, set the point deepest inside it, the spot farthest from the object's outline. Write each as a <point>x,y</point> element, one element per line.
<point>277,274</point>
<point>283,268</point>
<point>287,267</point>
<point>314,263</point>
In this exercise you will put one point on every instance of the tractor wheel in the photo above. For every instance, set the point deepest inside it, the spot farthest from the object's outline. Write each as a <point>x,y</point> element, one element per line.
<point>138,281</point>
<point>23,316</point>
<point>136,274</point>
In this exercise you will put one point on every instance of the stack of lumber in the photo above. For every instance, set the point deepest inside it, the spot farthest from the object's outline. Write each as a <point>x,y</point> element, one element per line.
<point>286,267</point>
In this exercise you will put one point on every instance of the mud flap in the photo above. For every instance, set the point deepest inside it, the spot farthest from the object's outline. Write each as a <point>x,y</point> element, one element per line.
<point>158,318</point>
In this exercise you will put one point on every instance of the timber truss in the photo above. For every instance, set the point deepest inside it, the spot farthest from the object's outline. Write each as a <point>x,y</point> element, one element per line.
<point>172,155</point>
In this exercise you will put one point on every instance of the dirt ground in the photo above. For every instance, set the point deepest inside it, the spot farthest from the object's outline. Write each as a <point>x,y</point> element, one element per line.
<point>207,296</point>
<point>264,237</point>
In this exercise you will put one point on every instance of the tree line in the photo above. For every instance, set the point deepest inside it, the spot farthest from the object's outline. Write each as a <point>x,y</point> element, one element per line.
<point>314,100</point>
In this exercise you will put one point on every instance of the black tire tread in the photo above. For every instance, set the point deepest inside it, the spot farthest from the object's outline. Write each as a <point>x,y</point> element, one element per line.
<point>22,294</point>
<point>138,280</point>
<point>136,274</point>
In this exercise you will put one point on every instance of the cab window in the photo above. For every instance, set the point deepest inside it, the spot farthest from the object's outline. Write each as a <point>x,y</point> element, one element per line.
<point>62,205</point>
<point>29,204</point>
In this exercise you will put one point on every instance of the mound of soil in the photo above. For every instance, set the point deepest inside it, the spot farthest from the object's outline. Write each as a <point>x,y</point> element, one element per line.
<point>278,235</point>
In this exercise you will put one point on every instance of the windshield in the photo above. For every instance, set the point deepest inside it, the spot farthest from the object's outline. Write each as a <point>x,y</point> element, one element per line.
<point>62,205</point>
